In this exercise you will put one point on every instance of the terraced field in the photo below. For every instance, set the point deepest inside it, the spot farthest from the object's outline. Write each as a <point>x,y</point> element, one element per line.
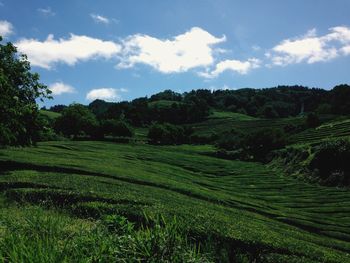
<point>218,123</point>
<point>245,206</point>
<point>325,131</point>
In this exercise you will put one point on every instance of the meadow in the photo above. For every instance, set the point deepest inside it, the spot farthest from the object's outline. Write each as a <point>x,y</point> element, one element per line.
<point>229,211</point>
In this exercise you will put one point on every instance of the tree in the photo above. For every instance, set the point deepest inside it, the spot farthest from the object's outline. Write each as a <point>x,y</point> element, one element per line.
<point>167,134</point>
<point>330,162</point>
<point>76,120</point>
<point>116,128</point>
<point>19,89</point>
<point>312,120</point>
<point>263,141</point>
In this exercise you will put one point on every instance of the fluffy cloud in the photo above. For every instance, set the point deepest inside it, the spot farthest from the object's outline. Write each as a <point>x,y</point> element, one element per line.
<point>181,53</point>
<point>6,28</point>
<point>107,94</point>
<point>69,51</point>
<point>46,11</point>
<point>59,88</point>
<point>241,67</point>
<point>311,48</point>
<point>100,19</point>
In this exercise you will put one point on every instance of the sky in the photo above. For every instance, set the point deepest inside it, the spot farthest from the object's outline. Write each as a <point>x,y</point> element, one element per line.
<point>120,50</point>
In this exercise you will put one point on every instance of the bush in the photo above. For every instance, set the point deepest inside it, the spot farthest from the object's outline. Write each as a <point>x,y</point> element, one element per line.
<point>117,128</point>
<point>231,140</point>
<point>331,162</point>
<point>312,120</point>
<point>255,146</point>
<point>77,120</point>
<point>168,134</point>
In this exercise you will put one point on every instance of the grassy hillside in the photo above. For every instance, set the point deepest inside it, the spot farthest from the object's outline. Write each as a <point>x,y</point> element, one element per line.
<point>247,208</point>
<point>50,114</point>
<point>330,129</point>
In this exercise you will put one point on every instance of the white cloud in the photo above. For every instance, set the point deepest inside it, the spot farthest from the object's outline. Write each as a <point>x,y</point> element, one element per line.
<point>47,12</point>
<point>6,28</point>
<point>107,94</point>
<point>311,48</point>
<point>181,53</point>
<point>69,51</point>
<point>59,88</point>
<point>241,67</point>
<point>123,90</point>
<point>346,50</point>
<point>100,19</point>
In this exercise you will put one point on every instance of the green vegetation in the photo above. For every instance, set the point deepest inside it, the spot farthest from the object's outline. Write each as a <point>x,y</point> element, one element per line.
<point>33,234</point>
<point>204,176</point>
<point>168,134</point>
<point>50,114</point>
<point>19,88</point>
<point>246,209</point>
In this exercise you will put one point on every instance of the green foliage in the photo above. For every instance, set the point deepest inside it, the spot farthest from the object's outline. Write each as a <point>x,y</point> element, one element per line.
<point>76,120</point>
<point>19,88</point>
<point>256,145</point>
<point>50,114</point>
<point>36,235</point>
<point>331,162</point>
<point>167,95</point>
<point>168,134</point>
<point>340,101</point>
<point>234,206</point>
<point>116,128</point>
<point>312,120</point>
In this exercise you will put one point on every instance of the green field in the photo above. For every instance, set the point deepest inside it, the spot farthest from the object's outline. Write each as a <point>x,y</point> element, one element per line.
<point>50,114</point>
<point>247,207</point>
<point>332,129</point>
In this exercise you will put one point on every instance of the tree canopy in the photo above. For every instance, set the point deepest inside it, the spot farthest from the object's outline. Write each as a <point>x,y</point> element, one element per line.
<point>19,89</point>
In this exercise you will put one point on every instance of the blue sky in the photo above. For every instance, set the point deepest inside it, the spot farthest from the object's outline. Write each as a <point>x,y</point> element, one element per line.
<point>121,50</point>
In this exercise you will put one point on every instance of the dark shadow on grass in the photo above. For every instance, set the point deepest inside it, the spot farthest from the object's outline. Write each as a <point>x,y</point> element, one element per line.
<point>13,166</point>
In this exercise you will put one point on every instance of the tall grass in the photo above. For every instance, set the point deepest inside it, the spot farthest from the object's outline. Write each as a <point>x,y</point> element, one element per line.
<point>32,234</point>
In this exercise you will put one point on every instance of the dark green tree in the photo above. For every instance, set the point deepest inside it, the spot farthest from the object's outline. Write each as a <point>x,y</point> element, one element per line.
<point>116,128</point>
<point>19,89</point>
<point>312,120</point>
<point>167,134</point>
<point>330,162</point>
<point>76,120</point>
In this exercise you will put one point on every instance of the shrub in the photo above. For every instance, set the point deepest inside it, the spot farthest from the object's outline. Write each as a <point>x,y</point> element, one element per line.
<point>231,140</point>
<point>256,145</point>
<point>168,134</point>
<point>331,162</point>
<point>116,128</point>
<point>76,120</point>
<point>312,120</point>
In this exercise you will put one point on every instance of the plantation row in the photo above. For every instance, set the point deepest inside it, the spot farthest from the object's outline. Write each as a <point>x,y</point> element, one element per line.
<point>251,210</point>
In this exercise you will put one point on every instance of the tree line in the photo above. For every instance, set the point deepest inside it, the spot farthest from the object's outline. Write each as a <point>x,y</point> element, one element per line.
<point>166,114</point>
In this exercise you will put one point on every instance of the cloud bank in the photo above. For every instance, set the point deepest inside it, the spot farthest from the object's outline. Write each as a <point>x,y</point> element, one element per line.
<point>178,54</point>
<point>59,88</point>
<point>195,49</point>
<point>6,28</point>
<point>107,94</point>
<point>47,53</point>
<point>311,48</point>
<point>240,67</point>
